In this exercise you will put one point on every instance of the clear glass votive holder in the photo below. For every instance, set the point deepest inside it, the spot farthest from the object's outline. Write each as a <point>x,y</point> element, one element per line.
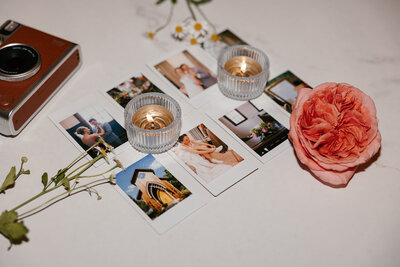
<point>157,140</point>
<point>243,72</point>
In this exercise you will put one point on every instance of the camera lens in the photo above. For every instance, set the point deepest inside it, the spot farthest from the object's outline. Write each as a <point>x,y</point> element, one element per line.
<point>18,62</point>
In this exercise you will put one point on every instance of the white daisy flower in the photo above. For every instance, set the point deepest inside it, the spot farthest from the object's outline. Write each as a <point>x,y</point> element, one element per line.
<point>198,28</point>
<point>179,32</point>
<point>196,39</point>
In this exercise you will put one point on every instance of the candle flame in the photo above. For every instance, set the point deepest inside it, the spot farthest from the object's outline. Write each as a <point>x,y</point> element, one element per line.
<point>149,118</point>
<point>243,67</point>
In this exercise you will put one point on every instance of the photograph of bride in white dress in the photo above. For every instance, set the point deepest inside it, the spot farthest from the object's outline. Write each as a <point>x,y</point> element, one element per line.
<point>205,154</point>
<point>187,74</point>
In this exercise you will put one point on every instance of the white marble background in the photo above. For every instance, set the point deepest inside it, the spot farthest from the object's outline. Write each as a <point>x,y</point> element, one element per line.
<point>278,216</point>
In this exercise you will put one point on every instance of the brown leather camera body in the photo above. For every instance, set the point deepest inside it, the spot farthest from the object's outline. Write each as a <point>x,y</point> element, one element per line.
<point>21,100</point>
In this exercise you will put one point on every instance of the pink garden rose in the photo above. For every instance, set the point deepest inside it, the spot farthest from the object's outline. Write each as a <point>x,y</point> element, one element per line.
<point>334,129</point>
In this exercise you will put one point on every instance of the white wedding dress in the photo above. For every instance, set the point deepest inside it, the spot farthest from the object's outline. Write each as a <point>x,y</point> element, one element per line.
<point>203,168</point>
<point>192,88</point>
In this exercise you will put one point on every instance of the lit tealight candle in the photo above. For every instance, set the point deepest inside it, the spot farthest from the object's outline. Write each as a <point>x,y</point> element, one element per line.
<point>243,66</point>
<point>152,117</point>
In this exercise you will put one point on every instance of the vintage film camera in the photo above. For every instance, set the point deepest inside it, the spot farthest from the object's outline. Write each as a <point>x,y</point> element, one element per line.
<point>33,67</point>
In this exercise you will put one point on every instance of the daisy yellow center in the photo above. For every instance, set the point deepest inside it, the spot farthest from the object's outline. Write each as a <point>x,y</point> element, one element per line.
<point>178,29</point>
<point>150,35</point>
<point>193,41</point>
<point>214,37</point>
<point>197,26</point>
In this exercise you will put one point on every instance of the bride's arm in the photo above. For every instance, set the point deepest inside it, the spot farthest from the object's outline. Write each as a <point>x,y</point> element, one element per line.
<point>198,150</point>
<point>202,144</point>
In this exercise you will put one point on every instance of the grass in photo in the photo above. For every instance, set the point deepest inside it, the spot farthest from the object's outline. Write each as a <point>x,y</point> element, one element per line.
<point>151,186</point>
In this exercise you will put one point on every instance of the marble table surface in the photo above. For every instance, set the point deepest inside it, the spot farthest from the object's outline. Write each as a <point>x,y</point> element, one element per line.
<point>279,215</point>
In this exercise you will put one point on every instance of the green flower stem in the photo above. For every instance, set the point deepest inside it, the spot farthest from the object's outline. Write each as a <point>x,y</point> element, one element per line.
<point>60,195</point>
<point>90,176</point>
<point>171,12</point>
<point>189,5</point>
<point>76,160</point>
<point>93,161</point>
<point>33,198</point>
<point>57,186</point>
<point>84,167</point>
<point>205,18</point>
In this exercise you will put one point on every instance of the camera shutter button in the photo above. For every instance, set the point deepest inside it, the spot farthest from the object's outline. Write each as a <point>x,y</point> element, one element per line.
<point>6,101</point>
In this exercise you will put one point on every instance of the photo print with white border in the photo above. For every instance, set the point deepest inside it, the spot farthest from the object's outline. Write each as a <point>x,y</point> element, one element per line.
<point>191,72</point>
<point>121,94</point>
<point>226,38</point>
<point>283,89</point>
<point>158,188</point>
<point>259,125</point>
<point>211,155</point>
<point>88,119</point>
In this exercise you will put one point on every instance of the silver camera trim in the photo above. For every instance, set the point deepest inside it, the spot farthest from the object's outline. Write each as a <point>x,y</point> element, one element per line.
<point>25,75</point>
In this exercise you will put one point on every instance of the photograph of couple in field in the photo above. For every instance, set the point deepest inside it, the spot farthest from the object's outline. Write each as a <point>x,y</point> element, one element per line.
<point>187,74</point>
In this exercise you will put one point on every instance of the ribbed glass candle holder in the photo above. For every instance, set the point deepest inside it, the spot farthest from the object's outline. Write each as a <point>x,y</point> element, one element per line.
<point>245,85</point>
<point>155,140</point>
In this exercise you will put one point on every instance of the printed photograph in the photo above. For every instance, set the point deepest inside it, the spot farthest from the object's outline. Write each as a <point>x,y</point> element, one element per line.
<point>283,89</point>
<point>127,90</point>
<point>255,127</point>
<point>89,124</point>
<point>187,74</point>
<point>226,38</point>
<point>205,154</point>
<point>151,186</point>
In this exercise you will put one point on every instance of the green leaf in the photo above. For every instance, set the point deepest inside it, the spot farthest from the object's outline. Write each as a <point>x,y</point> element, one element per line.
<point>14,231</point>
<point>9,181</point>
<point>199,2</point>
<point>60,176</point>
<point>65,183</point>
<point>45,178</point>
<point>159,2</point>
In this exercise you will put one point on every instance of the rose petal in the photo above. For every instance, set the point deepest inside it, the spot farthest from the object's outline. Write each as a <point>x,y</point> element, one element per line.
<point>333,177</point>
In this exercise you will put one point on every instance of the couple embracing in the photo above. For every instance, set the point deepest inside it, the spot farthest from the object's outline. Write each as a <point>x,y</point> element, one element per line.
<point>195,80</point>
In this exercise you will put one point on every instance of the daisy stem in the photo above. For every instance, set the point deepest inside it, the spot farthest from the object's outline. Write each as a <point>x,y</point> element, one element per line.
<point>189,5</point>
<point>58,185</point>
<point>62,194</point>
<point>205,18</point>
<point>76,160</point>
<point>171,12</point>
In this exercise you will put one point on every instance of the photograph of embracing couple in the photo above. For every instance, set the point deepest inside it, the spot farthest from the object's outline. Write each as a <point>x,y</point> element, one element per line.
<point>187,74</point>
<point>88,125</point>
<point>205,154</point>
